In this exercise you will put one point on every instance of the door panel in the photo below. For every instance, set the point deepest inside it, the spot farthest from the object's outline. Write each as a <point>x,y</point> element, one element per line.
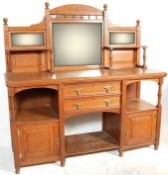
<point>140,128</point>
<point>39,143</point>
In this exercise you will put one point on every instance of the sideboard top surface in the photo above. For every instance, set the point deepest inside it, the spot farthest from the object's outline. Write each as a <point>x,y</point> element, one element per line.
<point>75,76</point>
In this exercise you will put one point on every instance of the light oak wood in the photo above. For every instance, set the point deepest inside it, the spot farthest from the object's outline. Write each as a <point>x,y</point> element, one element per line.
<point>138,105</point>
<point>140,127</point>
<point>75,10</point>
<point>43,97</point>
<point>80,76</point>
<point>88,143</point>
<point>84,90</point>
<point>28,61</point>
<point>45,135</point>
<point>91,103</point>
<point>36,115</point>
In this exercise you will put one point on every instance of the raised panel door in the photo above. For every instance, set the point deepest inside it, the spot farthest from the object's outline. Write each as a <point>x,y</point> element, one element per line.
<point>140,128</point>
<point>38,143</point>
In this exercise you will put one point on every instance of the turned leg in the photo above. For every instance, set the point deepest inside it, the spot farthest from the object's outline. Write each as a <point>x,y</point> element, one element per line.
<point>156,147</point>
<point>122,117</point>
<point>120,153</point>
<point>62,163</point>
<point>62,124</point>
<point>17,171</point>
<point>158,120</point>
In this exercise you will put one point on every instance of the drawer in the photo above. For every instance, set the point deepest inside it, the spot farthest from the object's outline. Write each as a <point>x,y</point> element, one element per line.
<point>79,90</point>
<point>84,104</point>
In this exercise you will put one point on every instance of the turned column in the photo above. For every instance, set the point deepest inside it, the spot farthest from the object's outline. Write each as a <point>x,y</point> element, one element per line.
<point>159,106</point>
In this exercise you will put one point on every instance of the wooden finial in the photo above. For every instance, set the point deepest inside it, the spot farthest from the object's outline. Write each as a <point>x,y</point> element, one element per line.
<point>105,6</point>
<point>47,5</point>
<point>138,23</point>
<point>5,20</point>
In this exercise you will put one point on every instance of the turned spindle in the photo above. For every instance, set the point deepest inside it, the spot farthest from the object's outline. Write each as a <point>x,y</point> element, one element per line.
<point>144,56</point>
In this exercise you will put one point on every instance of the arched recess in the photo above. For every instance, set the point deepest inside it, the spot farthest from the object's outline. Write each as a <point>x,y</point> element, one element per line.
<point>19,89</point>
<point>36,104</point>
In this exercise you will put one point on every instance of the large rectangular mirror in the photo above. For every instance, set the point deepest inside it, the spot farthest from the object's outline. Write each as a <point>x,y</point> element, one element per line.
<point>77,44</point>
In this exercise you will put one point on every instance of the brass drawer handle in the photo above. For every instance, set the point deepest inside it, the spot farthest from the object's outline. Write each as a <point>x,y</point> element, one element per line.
<point>108,103</point>
<point>77,91</point>
<point>78,106</point>
<point>108,89</point>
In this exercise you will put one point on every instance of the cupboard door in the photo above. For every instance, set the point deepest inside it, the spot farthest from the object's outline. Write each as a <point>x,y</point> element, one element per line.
<point>141,128</point>
<point>38,143</point>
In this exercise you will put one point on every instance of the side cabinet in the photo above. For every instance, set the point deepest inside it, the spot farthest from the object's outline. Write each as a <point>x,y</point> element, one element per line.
<point>140,129</point>
<point>38,142</point>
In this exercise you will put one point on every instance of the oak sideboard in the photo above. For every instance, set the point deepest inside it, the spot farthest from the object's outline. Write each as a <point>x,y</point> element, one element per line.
<point>48,85</point>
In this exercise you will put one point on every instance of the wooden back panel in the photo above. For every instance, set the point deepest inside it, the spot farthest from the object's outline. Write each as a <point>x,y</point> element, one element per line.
<point>40,58</point>
<point>25,58</point>
<point>36,98</point>
<point>32,61</point>
<point>118,56</point>
<point>122,58</point>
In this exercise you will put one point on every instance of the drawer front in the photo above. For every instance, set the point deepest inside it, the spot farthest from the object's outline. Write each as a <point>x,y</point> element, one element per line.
<point>84,104</point>
<point>79,90</point>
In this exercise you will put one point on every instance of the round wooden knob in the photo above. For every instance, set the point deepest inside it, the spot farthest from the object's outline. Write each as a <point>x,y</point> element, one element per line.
<point>5,20</point>
<point>138,22</point>
<point>47,5</point>
<point>105,6</point>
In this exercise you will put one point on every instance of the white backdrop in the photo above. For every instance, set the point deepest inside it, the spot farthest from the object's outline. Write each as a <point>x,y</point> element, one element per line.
<point>154,22</point>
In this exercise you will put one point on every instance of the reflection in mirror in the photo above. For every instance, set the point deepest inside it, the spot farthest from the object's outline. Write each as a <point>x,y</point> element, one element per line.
<point>77,44</point>
<point>122,38</point>
<point>27,39</point>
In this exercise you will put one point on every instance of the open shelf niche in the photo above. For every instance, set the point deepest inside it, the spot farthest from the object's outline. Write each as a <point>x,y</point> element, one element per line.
<point>37,104</point>
<point>89,142</point>
<point>134,101</point>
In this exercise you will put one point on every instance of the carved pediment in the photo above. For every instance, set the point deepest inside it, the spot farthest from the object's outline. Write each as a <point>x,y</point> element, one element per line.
<point>76,9</point>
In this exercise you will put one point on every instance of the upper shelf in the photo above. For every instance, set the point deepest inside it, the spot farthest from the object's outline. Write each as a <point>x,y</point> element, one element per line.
<point>113,47</point>
<point>21,49</point>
